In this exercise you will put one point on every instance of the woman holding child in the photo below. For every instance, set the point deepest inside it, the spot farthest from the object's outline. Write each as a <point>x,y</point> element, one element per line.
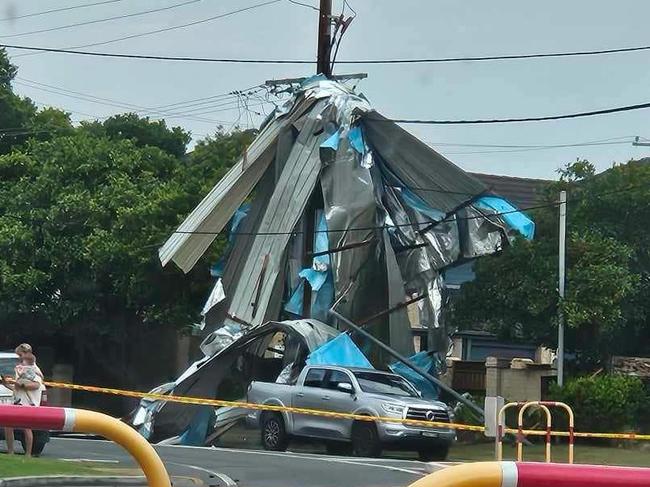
<point>28,388</point>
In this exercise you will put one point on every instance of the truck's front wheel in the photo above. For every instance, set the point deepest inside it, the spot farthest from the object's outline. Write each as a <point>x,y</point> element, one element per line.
<point>274,433</point>
<point>365,440</point>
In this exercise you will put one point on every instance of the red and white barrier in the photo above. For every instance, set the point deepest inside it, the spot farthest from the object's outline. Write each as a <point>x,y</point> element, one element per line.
<point>563,475</point>
<point>82,421</point>
<point>513,474</point>
<point>43,418</point>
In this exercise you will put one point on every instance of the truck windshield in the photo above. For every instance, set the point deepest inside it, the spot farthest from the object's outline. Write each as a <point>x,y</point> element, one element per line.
<point>391,385</point>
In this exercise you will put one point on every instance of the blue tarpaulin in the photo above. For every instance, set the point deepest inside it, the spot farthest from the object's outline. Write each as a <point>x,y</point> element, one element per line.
<point>339,351</point>
<point>515,219</point>
<point>319,277</point>
<point>332,142</point>
<point>294,305</point>
<point>425,361</point>
<point>196,432</point>
<point>355,136</point>
<point>217,269</point>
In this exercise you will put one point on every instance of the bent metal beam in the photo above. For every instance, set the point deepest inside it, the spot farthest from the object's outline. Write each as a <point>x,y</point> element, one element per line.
<point>82,421</point>
<point>511,474</point>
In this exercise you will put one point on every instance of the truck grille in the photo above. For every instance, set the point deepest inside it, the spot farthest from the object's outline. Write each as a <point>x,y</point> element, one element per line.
<point>424,414</point>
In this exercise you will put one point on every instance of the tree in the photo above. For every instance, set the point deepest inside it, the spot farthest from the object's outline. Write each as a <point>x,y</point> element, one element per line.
<point>81,220</point>
<point>16,113</point>
<point>142,131</point>
<point>515,293</point>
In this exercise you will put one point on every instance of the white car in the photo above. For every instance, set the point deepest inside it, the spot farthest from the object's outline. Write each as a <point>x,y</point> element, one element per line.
<point>8,361</point>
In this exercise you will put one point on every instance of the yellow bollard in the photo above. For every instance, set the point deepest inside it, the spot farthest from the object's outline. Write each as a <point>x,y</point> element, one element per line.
<point>129,439</point>
<point>484,474</point>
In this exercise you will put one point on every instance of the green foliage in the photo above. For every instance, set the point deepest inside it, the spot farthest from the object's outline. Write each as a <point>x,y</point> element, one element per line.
<point>515,293</point>
<point>16,113</point>
<point>608,268</point>
<point>605,403</point>
<point>81,220</point>
<point>142,131</point>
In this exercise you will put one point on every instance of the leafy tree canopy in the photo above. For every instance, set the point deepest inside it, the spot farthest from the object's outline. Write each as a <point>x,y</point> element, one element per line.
<point>608,268</point>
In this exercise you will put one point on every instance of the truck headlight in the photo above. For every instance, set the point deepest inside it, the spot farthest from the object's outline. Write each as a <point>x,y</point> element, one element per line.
<point>393,408</point>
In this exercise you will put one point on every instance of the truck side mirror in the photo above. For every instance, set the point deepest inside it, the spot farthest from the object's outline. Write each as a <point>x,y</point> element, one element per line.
<point>345,387</point>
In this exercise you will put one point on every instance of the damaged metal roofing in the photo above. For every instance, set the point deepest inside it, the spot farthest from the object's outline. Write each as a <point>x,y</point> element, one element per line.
<point>345,210</point>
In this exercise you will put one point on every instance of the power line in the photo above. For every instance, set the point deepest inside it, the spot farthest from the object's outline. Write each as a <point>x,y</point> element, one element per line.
<point>501,151</point>
<point>211,104</point>
<point>507,57</point>
<point>142,34</point>
<point>526,146</point>
<point>308,61</point>
<point>180,26</point>
<point>346,3</point>
<point>303,5</point>
<point>97,21</point>
<point>165,109</point>
<point>108,102</point>
<point>223,95</point>
<point>592,113</point>
<point>426,225</point>
<point>151,56</point>
<point>63,9</point>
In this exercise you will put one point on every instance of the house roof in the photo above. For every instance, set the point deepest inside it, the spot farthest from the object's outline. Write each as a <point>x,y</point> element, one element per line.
<point>638,366</point>
<point>522,192</point>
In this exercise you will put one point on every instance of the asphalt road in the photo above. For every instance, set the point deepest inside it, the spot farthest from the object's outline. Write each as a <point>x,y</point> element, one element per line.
<point>252,468</point>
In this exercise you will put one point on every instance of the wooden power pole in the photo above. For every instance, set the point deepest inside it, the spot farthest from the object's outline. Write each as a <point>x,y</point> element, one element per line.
<point>324,65</point>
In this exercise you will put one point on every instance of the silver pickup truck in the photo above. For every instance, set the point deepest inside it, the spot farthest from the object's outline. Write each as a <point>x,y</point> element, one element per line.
<point>365,392</point>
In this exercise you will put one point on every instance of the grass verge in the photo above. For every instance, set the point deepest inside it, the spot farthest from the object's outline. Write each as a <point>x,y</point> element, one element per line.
<point>586,454</point>
<point>18,466</point>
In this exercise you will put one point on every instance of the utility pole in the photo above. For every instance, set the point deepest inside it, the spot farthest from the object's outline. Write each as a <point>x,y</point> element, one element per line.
<point>640,144</point>
<point>324,65</point>
<point>560,328</point>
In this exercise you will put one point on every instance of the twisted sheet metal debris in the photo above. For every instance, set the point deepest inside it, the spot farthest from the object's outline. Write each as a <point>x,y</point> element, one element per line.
<point>395,213</point>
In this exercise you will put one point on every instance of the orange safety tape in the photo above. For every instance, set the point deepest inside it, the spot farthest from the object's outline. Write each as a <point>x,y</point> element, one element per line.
<point>330,414</point>
<point>263,407</point>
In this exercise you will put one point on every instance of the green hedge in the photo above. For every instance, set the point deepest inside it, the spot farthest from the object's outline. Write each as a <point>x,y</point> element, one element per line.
<point>606,403</point>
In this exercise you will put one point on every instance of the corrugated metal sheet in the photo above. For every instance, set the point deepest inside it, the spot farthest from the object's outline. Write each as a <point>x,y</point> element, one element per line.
<point>418,166</point>
<point>263,265</point>
<point>211,215</point>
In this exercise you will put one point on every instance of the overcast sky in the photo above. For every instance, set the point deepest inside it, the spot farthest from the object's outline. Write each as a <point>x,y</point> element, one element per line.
<point>382,29</point>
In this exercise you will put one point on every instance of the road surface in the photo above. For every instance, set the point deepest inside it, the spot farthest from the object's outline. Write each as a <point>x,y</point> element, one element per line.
<point>253,468</point>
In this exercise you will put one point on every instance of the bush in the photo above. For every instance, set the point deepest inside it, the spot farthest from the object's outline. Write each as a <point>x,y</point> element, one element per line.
<point>605,403</point>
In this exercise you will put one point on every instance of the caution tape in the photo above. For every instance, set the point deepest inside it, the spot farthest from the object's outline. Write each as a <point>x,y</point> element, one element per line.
<point>577,434</point>
<point>330,414</point>
<point>264,407</point>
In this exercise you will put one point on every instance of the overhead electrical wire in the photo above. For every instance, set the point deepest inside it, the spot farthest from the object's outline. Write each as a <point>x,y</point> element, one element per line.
<point>174,109</point>
<point>368,228</point>
<point>151,32</point>
<point>526,146</point>
<point>55,10</point>
<point>206,98</point>
<point>449,218</point>
<point>592,113</point>
<point>532,149</point>
<point>295,2</point>
<point>102,20</point>
<point>179,26</point>
<point>382,227</point>
<point>108,102</point>
<point>73,50</point>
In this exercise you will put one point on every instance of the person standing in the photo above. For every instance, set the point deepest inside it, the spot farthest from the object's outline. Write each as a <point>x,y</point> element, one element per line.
<point>28,389</point>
